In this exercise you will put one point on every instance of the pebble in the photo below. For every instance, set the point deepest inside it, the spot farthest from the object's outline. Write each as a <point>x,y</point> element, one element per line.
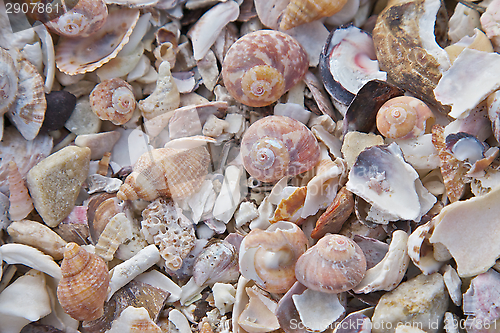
<point>83,120</point>
<point>98,143</point>
<point>60,105</point>
<point>55,182</point>
<point>356,142</point>
<point>421,302</point>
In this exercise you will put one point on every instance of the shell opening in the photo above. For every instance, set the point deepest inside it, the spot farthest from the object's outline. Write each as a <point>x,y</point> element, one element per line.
<point>276,260</point>
<point>123,100</point>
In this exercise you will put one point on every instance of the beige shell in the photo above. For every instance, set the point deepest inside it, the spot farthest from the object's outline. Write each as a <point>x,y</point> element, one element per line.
<point>82,20</point>
<point>81,55</point>
<point>8,81</point>
<point>166,172</point>
<point>404,117</point>
<point>84,286</point>
<point>335,264</point>
<point>134,320</point>
<point>102,208</point>
<point>104,164</point>
<point>276,146</point>
<point>304,11</point>
<point>20,201</point>
<point>268,256</point>
<point>116,232</point>
<point>263,65</point>
<point>113,100</point>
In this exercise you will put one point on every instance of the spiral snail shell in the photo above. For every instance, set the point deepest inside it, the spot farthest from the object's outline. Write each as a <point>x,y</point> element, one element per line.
<point>113,100</point>
<point>404,117</point>
<point>304,11</point>
<point>277,146</point>
<point>84,286</point>
<point>263,65</point>
<point>335,264</point>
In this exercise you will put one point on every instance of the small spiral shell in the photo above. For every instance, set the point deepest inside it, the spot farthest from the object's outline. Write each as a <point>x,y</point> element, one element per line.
<point>404,117</point>
<point>84,19</point>
<point>335,264</point>
<point>84,286</point>
<point>113,100</point>
<point>263,65</point>
<point>304,11</point>
<point>276,146</point>
<point>20,201</point>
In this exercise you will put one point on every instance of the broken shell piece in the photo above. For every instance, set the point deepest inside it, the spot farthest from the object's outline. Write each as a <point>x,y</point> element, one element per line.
<point>31,257</point>
<point>134,320</point>
<point>317,310</point>
<point>478,41</point>
<point>290,207</point>
<point>116,232</point>
<point>355,142</point>
<point>347,62</point>
<point>258,315</point>
<point>299,12</point>
<point>466,229</point>
<point>113,100</point>
<point>490,23</point>
<point>462,23</point>
<point>373,249</point>
<point>388,273</point>
<point>268,257</point>
<point>465,147</point>
<point>420,152</point>
<point>420,250</point>
<point>99,143</point>
<point>81,55</point>
<point>97,183</point>
<point>335,264</point>
<point>8,82</point>
<point>480,300</point>
<point>163,282</point>
<point>218,262</point>
<point>493,102</point>
<point>453,284</point>
<point>20,203</point>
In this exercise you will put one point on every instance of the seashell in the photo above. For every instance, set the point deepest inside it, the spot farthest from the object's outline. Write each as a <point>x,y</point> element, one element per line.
<point>268,256</point>
<point>99,143</point>
<point>113,100</point>
<point>408,51</point>
<point>82,20</point>
<point>230,194</point>
<point>355,142</point>
<point>117,231</point>
<point>404,117</point>
<point>164,225</point>
<point>166,172</point>
<point>478,41</point>
<point>462,23</point>
<point>82,55</point>
<point>263,65</point>
<point>29,256</point>
<point>373,249</point>
<point>20,201</point>
<point>490,23</point>
<point>217,263</point>
<point>258,314</point>
<point>28,111</point>
<point>60,105</point>
<point>276,146</point>
<point>224,296</point>
<point>84,286</point>
<point>493,102</point>
<point>420,250</point>
<point>104,164</point>
<point>290,207</point>
<point>8,82</point>
<point>299,12</point>
<point>335,264</point>
<point>102,209</point>
<point>134,320</point>
<point>454,284</point>
<point>336,214</point>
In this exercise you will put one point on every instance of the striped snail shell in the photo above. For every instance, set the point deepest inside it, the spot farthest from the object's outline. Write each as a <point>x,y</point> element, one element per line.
<point>113,100</point>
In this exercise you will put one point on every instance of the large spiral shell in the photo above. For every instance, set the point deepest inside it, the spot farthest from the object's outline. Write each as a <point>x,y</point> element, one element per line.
<point>261,66</point>
<point>276,146</point>
<point>304,11</point>
<point>113,100</point>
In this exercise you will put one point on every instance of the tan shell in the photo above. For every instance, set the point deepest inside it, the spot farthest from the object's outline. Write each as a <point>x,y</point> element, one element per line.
<point>82,20</point>
<point>81,55</point>
<point>263,65</point>
<point>276,146</point>
<point>8,81</point>
<point>20,201</point>
<point>113,100</point>
<point>166,172</point>
<point>134,320</point>
<point>404,117</point>
<point>304,11</point>
<point>288,208</point>
<point>84,286</point>
<point>268,256</point>
<point>335,264</point>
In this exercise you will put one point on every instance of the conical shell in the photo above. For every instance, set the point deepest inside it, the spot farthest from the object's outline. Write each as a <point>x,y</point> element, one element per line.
<point>335,264</point>
<point>304,11</point>
<point>84,286</point>
<point>8,81</point>
<point>20,201</point>
<point>166,172</point>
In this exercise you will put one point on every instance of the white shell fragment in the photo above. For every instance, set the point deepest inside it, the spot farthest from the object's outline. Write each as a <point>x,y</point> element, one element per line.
<point>481,301</point>
<point>453,283</point>
<point>388,273</point>
<point>466,83</point>
<point>230,194</point>
<point>161,281</point>
<point>224,296</point>
<point>179,321</point>
<point>31,257</point>
<point>468,229</point>
<point>421,251</point>
<point>116,232</point>
<point>317,310</point>
<point>258,315</point>
<point>133,320</point>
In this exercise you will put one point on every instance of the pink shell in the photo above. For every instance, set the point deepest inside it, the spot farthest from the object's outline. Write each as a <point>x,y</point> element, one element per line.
<point>20,201</point>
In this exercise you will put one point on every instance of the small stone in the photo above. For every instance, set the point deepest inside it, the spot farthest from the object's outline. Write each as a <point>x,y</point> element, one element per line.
<point>98,143</point>
<point>356,142</point>
<point>420,302</point>
<point>83,120</point>
<point>60,105</point>
<point>55,182</point>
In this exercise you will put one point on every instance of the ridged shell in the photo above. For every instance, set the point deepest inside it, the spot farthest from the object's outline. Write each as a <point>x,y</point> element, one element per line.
<point>268,256</point>
<point>113,100</point>
<point>404,117</point>
<point>84,286</point>
<point>134,320</point>
<point>82,20</point>
<point>336,214</point>
<point>166,172</point>
<point>304,11</point>
<point>20,201</point>
<point>335,264</point>
<point>263,65</point>
<point>276,146</point>
<point>8,81</point>
<point>81,55</point>
<point>218,262</point>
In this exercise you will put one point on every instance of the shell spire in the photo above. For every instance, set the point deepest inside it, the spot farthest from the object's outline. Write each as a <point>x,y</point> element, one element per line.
<point>299,12</point>
<point>20,201</point>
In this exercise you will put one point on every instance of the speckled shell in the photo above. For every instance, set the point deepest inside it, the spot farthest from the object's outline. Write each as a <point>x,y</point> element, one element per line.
<point>84,286</point>
<point>8,81</point>
<point>20,201</point>
<point>269,256</point>
<point>84,19</point>
<point>335,264</point>
<point>113,100</point>
<point>263,65</point>
<point>304,11</point>
<point>218,262</point>
<point>404,117</point>
<point>276,146</point>
<point>166,172</point>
